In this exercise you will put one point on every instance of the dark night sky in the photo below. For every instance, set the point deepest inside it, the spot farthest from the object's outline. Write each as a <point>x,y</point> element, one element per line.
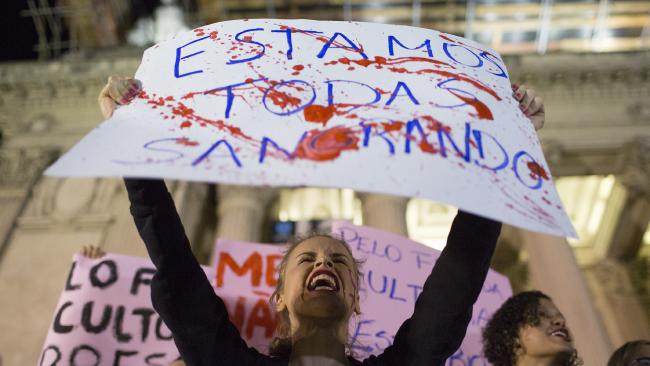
<point>18,32</point>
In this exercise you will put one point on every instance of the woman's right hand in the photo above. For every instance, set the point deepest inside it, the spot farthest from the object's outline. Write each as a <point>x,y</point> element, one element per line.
<point>118,90</point>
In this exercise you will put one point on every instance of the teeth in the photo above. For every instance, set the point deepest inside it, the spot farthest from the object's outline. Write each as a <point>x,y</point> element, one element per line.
<point>324,277</point>
<point>323,288</point>
<point>560,333</point>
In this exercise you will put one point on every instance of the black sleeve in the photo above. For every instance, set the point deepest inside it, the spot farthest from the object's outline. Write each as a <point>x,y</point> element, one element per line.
<point>180,290</point>
<point>444,308</point>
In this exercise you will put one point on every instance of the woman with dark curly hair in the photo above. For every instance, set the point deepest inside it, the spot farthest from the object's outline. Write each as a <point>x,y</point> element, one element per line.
<point>528,329</point>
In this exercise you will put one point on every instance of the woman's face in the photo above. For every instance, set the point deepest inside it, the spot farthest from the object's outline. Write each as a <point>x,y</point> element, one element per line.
<point>320,281</point>
<point>550,337</point>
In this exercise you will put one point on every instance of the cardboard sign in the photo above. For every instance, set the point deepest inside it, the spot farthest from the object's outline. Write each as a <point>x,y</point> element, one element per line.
<point>372,107</point>
<point>394,268</point>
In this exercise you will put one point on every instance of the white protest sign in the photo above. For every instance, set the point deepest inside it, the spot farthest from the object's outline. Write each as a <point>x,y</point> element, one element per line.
<point>373,107</point>
<point>105,317</point>
<point>395,269</point>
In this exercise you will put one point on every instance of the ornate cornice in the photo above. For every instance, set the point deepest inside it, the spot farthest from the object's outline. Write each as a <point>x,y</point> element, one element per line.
<point>586,74</point>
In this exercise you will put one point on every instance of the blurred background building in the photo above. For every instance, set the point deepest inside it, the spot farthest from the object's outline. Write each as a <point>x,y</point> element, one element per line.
<point>589,59</point>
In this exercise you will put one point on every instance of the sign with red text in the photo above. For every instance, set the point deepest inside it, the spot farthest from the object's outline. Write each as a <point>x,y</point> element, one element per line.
<point>373,107</point>
<point>394,272</point>
<point>104,316</point>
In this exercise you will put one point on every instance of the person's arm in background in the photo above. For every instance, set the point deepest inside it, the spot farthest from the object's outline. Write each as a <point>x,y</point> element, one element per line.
<point>92,252</point>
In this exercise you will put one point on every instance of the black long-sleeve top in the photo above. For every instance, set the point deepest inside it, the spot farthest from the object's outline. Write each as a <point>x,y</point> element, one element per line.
<point>204,335</point>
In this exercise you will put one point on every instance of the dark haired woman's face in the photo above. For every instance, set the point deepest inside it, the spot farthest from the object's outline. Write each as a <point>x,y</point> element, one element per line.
<point>320,281</point>
<point>548,338</point>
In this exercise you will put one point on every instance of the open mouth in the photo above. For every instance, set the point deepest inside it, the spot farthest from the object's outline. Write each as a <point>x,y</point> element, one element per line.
<point>561,333</point>
<point>323,280</point>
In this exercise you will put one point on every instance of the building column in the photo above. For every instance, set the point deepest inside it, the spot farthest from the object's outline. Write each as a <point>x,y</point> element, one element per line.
<point>635,215</point>
<point>553,270</point>
<point>384,212</point>
<point>617,299</point>
<point>241,211</point>
<point>618,302</point>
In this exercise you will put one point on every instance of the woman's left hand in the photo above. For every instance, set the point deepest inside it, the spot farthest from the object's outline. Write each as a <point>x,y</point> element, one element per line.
<point>530,104</point>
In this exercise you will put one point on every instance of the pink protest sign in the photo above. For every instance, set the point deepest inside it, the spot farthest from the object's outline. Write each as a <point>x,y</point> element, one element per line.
<point>105,317</point>
<point>395,269</point>
<point>245,278</point>
<point>330,104</point>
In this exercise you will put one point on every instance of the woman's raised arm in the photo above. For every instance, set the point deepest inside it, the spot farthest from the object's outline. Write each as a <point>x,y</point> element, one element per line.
<point>180,291</point>
<point>444,308</point>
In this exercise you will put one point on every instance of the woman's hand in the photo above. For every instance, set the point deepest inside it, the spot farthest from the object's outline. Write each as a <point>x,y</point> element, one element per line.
<point>119,90</point>
<point>529,103</point>
<point>92,252</point>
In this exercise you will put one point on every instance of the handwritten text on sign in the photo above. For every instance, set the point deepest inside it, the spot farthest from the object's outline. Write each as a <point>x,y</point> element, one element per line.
<point>298,102</point>
<point>105,317</point>
<point>395,269</point>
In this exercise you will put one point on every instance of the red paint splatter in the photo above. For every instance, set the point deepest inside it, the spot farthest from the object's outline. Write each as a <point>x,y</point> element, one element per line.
<point>188,115</point>
<point>482,110</point>
<point>182,110</point>
<point>467,79</point>
<point>399,70</point>
<point>380,61</point>
<point>324,145</point>
<point>297,69</point>
<point>537,171</point>
<point>282,99</point>
<point>319,114</point>
<point>394,126</point>
<point>214,34</point>
<point>443,36</point>
<point>248,38</point>
<point>323,39</point>
<point>199,32</point>
<point>435,125</point>
<point>160,101</point>
<point>186,142</point>
<point>186,124</point>
<point>427,147</point>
